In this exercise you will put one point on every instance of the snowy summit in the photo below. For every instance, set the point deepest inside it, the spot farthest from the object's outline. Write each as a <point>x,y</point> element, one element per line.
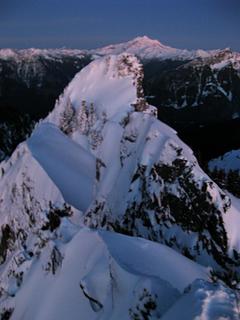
<point>146,48</point>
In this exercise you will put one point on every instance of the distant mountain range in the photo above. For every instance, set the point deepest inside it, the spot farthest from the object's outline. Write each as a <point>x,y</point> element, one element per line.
<point>196,91</point>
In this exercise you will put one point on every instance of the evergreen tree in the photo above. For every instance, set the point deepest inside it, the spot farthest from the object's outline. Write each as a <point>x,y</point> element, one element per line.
<point>82,118</point>
<point>67,122</point>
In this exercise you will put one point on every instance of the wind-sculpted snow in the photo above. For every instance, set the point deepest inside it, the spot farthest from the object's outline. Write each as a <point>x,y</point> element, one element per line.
<point>67,163</point>
<point>129,252</point>
<point>123,171</point>
<point>95,280</point>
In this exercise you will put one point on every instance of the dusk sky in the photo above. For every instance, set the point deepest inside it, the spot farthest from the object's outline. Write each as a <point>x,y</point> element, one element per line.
<point>206,24</point>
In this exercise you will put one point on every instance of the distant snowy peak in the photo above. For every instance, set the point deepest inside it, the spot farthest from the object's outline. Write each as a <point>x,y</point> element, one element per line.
<point>146,48</point>
<point>140,45</point>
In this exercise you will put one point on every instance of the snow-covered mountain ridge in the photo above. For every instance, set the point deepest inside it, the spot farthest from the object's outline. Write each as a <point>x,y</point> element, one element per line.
<point>143,47</point>
<point>102,159</point>
<point>33,53</point>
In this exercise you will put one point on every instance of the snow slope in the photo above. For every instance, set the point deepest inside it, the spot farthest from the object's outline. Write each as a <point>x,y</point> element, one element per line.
<point>107,83</point>
<point>26,190</point>
<point>68,164</point>
<point>97,280</point>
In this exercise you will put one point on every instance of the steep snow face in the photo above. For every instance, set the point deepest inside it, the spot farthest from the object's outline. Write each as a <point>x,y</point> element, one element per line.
<point>72,171</point>
<point>23,185</point>
<point>31,207</point>
<point>147,182</point>
<point>30,203</point>
<point>146,48</point>
<point>110,84</point>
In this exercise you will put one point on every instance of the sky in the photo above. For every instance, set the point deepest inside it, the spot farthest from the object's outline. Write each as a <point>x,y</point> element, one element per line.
<point>192,24</point>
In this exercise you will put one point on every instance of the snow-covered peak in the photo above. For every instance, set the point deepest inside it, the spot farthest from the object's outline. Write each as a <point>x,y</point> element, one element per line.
<point>145,41</point>
<point>111,84</point>
<point>146,48</point>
